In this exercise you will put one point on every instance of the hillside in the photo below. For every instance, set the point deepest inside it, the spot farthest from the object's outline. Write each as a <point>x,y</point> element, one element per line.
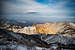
<point>46,28</point>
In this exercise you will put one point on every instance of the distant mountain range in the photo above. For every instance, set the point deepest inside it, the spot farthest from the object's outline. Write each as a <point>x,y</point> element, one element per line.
<point>65,28</point>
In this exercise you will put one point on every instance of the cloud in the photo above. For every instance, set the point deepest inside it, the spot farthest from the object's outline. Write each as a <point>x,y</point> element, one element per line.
<point>27,7</point>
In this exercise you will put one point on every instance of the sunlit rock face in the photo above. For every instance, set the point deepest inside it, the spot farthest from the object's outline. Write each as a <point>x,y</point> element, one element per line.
<point>27,30</point>
<point>46,28</point>
<point>55,28</point>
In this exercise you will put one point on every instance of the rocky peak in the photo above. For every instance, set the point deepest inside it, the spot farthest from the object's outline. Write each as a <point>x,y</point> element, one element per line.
<point>54,28</point>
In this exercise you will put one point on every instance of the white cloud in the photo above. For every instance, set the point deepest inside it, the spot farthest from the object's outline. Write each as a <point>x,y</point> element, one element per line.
<point>26,6</point>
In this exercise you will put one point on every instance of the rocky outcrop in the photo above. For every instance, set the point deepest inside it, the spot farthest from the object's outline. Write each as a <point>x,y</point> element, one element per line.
<point>64,28</point>
<point>40,40</point>
<point>55,28</point>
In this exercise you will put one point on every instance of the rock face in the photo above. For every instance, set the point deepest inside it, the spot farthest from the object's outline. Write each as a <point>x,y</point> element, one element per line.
<point>64,28</point>
<point>54,28</point>
<point>27,30</point>
<point>49,28</point>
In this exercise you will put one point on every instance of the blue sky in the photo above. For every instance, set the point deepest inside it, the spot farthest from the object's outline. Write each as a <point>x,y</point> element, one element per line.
<point>38,9</point>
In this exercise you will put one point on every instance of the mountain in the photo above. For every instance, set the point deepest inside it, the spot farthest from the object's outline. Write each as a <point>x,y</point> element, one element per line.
<point>55,28</point>
<point>47,35</point>
<point>65,28</point>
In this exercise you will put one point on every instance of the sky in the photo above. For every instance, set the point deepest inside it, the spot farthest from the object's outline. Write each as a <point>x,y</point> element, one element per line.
<point>38,9</point>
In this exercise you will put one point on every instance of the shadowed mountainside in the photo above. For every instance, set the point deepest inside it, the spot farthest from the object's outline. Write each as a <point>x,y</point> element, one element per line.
<point>40,40</point>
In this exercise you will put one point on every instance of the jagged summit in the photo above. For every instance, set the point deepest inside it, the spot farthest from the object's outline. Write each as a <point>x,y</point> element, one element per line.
<point>46,28</point>
<point>54,28</point>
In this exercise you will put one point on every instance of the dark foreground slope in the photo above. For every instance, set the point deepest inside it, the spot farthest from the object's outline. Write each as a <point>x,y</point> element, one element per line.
<point>10,40</point>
